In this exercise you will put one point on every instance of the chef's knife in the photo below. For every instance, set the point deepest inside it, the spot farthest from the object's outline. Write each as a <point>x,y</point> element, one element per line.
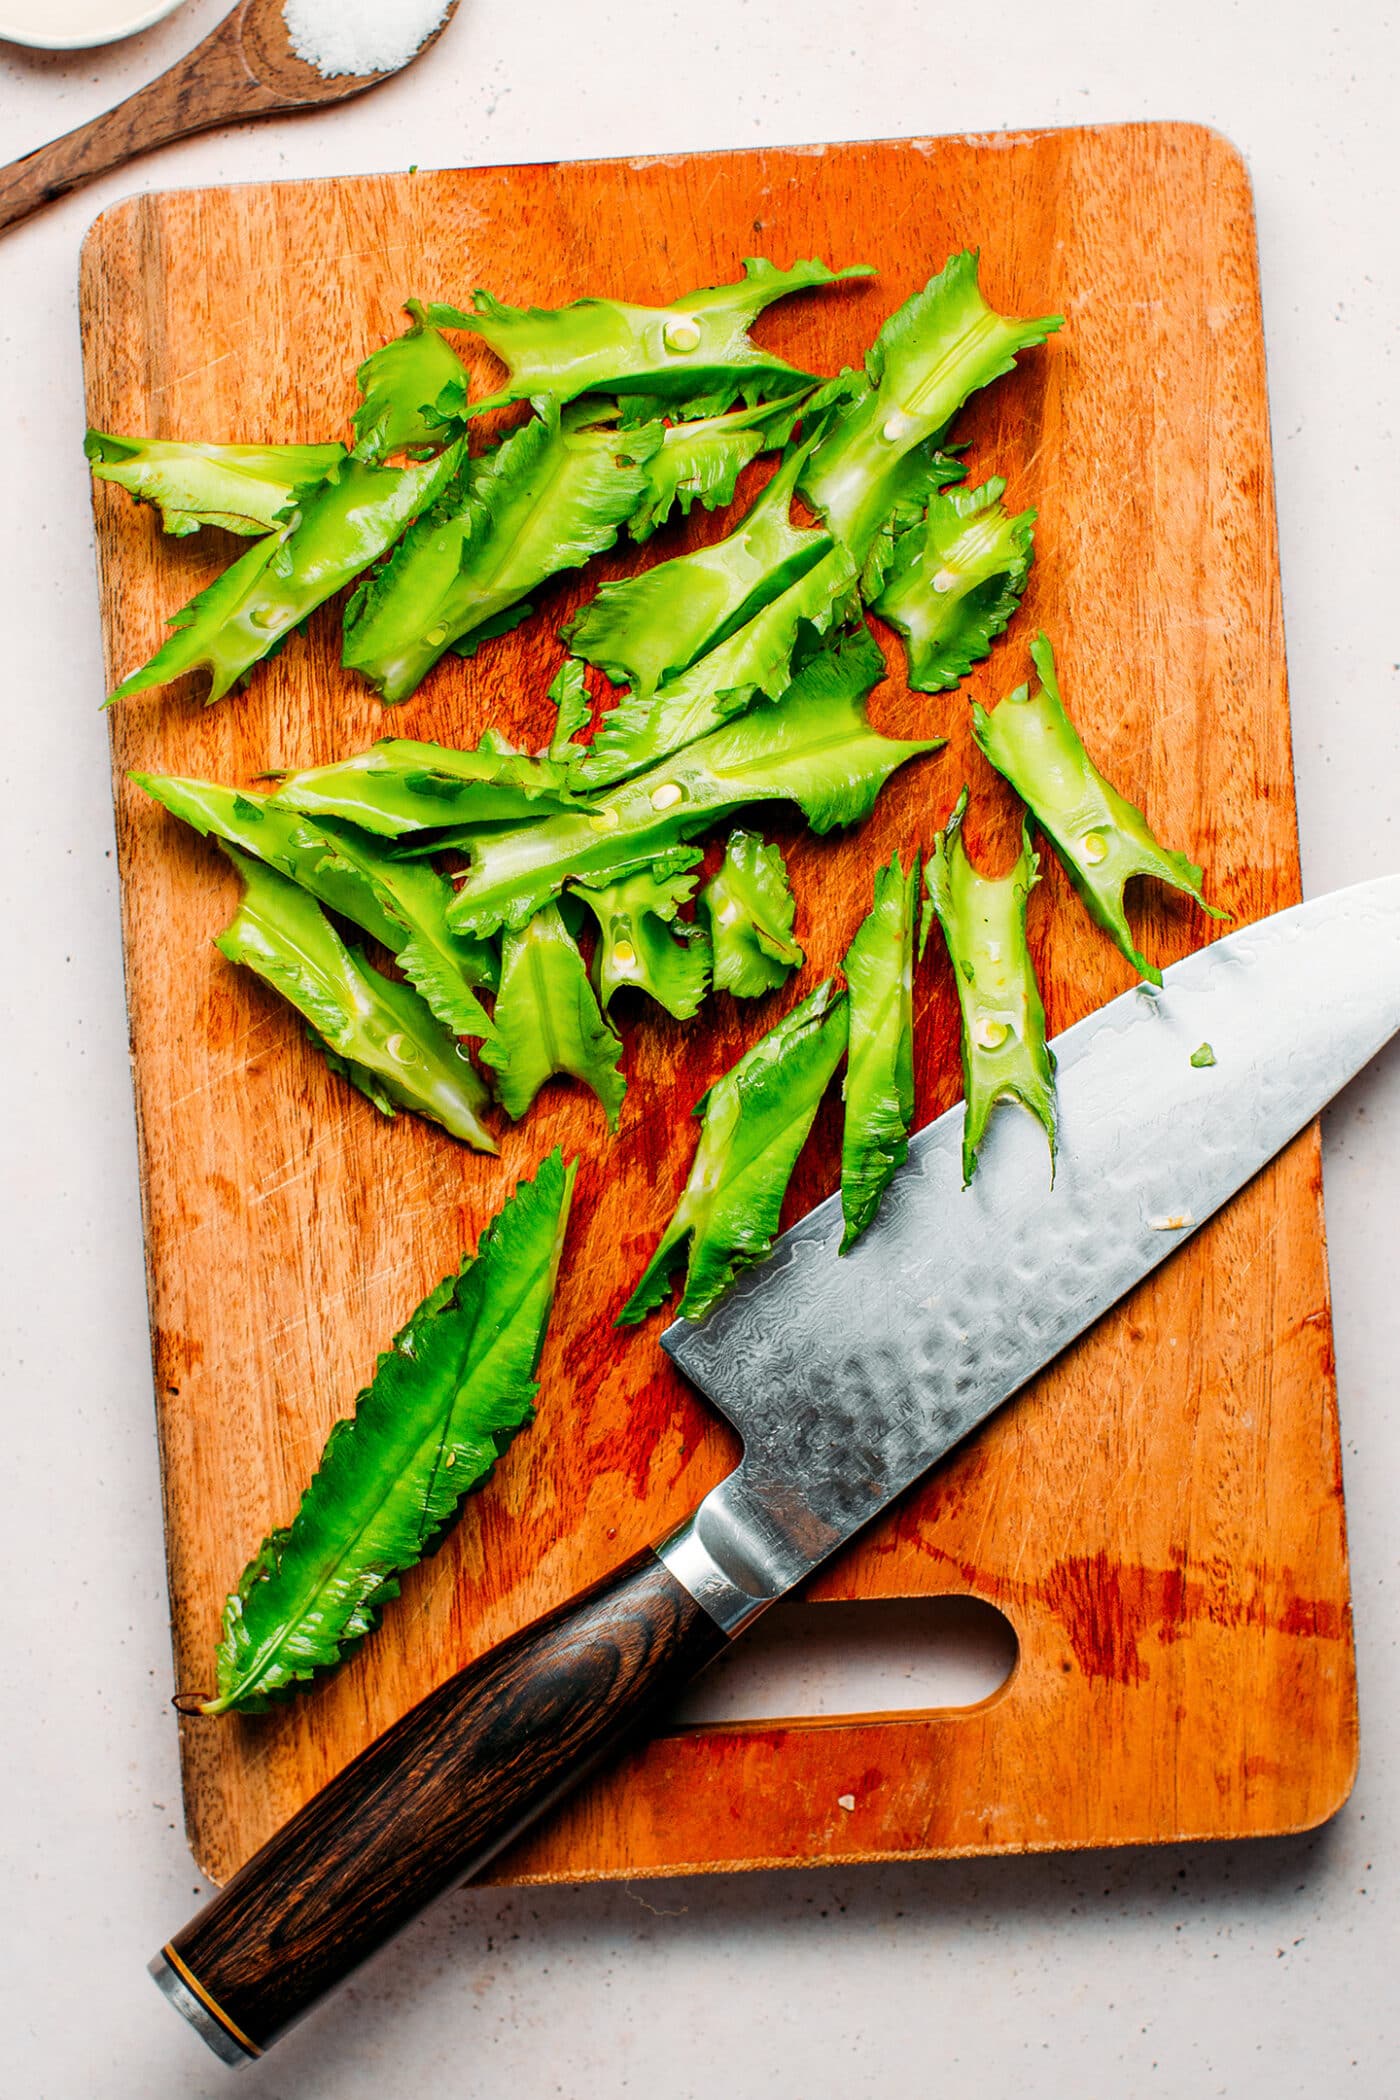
<point>847,1377</point>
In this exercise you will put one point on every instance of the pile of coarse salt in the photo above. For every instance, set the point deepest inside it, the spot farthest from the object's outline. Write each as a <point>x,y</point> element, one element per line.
<point>360,36</point>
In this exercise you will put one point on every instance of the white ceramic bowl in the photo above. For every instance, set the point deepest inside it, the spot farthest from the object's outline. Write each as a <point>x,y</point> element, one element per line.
<point>76,25</point>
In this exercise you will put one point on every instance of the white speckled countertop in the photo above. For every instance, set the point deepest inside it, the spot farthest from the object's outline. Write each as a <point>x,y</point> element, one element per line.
<point>1242,1970</point>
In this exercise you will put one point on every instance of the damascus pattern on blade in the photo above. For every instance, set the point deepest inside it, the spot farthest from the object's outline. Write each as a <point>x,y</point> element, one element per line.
<point>848,1376</point>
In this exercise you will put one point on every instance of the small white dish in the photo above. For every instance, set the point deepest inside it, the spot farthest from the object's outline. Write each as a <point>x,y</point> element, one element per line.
<point>78,25</point>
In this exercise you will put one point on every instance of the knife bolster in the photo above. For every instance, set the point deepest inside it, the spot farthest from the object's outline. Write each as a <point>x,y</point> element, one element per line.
<point>706,1556</point>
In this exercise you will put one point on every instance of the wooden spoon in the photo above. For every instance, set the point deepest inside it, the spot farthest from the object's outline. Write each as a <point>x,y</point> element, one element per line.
<point>244,68</point>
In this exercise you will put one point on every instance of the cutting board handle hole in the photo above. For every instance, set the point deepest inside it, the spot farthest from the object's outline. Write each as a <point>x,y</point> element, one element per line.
<point>864,1657</point>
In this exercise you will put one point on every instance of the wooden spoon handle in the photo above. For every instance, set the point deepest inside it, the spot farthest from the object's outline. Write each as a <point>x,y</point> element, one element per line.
<point>209,86</point>
<point>429,1803</point>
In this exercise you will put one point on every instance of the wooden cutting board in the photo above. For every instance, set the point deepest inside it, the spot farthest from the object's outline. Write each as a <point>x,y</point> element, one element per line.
<point>1160,1516</point>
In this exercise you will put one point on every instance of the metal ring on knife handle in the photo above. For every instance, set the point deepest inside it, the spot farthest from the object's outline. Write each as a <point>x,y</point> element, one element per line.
<point>430,1802</point>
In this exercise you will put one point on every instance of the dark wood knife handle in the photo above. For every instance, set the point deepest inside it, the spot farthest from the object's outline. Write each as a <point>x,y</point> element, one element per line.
<point>429,1803</point>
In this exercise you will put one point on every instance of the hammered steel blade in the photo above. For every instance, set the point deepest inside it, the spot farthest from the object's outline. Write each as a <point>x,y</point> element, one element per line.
<point>848,1376</point>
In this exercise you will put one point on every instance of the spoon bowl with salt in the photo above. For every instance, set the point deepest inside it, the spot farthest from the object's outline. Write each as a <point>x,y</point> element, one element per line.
<point>267,58</point>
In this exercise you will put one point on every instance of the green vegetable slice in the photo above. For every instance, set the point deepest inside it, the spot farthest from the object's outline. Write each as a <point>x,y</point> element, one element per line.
<point>696,350</point>
<point>376,1033</point>
<point>399,785</point>
<point>642,943</point>
<point>406,404</point>
<point>243,488</point>
<point>955,581</point>
<point>1004,1053</point>
<point>756,662</point>
<point>447,1396</point>
<point>879,1084</point>
<point>750,910</point>
<point>756,1120</point>
<point>547,1020</point>
<point>913,484</point>
<point>568,689</point>
<point>939,347</point>
<point>651,627</point>
<point>1102,840</point>
<point>814,747</point>
<point>550,496</point>
<point>701,461</point>
<point>444,966</point>
<point>337,530</point>
<point>401,904</point>
<point>282,838</point>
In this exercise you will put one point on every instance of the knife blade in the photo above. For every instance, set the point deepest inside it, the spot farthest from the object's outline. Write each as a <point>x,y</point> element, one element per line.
<point>847,1378</point>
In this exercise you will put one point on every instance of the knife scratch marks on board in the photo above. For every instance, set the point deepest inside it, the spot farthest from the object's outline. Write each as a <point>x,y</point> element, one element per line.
<point>325,1299</point>
<point>1027,471</point>
<point>299,1168</point>
<point>168,386</point>
<point>356,255</point>
<point>1265,1246</point>
<point>232,1065</point>
<point>706,196</point>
